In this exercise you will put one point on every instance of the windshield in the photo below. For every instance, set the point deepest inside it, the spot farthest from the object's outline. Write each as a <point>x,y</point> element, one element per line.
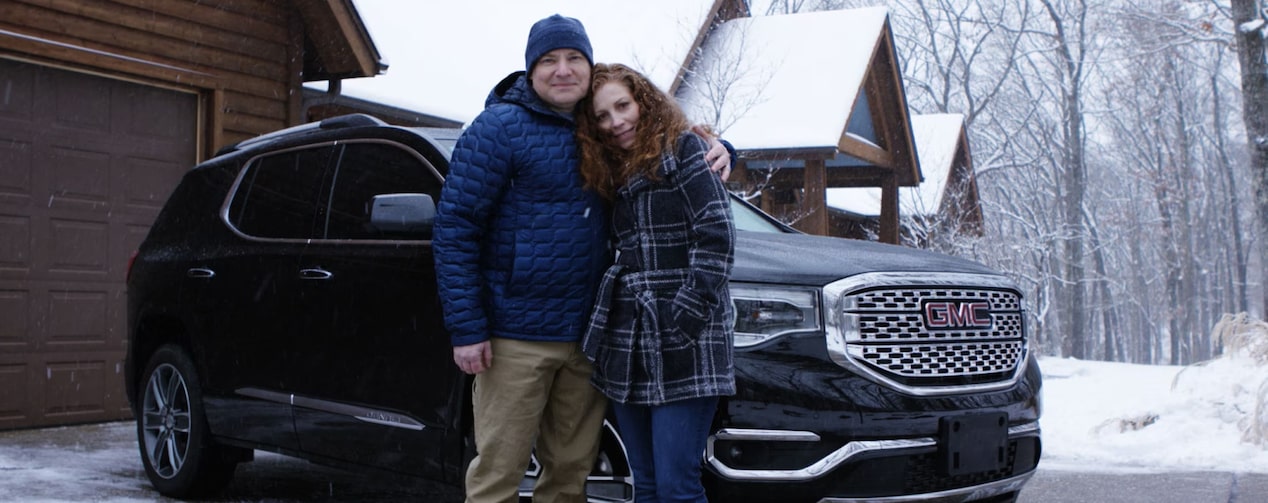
<point>749,218</point>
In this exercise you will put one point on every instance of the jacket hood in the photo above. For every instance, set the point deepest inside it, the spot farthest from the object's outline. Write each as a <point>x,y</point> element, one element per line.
<point>516,90</point>
<point>804,259</point>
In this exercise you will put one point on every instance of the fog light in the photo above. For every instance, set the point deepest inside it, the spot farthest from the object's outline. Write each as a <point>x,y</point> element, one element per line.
<point>736,452</point>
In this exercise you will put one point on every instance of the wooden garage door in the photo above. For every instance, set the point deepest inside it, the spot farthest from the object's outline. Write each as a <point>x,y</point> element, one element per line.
<point>85,164</point>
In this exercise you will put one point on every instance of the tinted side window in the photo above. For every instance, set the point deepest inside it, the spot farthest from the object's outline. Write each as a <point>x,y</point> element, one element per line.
<point>369,169</point>
<point>279,194</point>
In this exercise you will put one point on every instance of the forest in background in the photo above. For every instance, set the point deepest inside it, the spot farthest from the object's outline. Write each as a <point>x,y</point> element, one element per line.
<point>1121,157</point>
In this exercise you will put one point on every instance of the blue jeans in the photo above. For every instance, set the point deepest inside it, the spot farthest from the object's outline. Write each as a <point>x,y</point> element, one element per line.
<point>666,445</point>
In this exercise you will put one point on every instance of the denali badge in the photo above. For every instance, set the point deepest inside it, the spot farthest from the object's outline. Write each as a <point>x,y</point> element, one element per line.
<point>957,314</point>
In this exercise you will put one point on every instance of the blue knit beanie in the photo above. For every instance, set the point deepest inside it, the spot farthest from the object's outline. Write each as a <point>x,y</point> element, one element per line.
<point>556,32</point>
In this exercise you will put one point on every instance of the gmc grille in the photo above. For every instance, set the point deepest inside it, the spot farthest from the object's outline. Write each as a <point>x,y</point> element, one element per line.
<point>928,333</point>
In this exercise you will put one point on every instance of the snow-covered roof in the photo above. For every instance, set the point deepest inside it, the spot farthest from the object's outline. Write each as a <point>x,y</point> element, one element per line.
<point>796,76</point>
<point>444,57</point>
<point>937,136</point>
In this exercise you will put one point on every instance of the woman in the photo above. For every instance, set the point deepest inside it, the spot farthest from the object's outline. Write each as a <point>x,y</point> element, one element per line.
<point>661,331</point>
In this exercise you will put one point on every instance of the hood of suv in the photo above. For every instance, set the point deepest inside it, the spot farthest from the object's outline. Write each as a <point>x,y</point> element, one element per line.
<point>804,259</point>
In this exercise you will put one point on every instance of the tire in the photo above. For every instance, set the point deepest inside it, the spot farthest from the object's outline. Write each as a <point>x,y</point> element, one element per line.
<point>180,457</point>
<point>610,480</point>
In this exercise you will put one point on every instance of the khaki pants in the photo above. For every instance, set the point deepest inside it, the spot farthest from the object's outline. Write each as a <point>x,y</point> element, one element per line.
<point>542,391</point>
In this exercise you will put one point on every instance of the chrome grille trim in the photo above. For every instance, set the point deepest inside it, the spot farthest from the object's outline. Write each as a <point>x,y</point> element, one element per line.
<point>876,327</point>
<point>845,454</point>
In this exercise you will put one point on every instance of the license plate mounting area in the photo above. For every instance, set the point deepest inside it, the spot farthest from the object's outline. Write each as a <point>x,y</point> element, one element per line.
<point>973,443</point>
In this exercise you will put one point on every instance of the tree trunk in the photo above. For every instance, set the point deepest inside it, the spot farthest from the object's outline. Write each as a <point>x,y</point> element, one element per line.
<point>1104,298</point>
<point>1238,266</point>
<point>1250,53</point>
<point>1070,50</point>
<point>1188,306</point>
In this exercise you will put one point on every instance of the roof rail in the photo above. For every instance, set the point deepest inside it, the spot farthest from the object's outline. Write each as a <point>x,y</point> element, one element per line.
<point>351,120</point>
<point>342,121</point>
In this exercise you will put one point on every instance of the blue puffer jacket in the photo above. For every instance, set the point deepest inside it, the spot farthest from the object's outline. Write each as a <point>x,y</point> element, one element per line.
<point>520,245</point>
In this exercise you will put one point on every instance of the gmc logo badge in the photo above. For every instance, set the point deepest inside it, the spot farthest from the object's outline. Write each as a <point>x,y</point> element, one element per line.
<point>952,314</point>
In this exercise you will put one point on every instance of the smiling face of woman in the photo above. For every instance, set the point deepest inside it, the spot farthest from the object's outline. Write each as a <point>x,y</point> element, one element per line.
<point>616,113</point>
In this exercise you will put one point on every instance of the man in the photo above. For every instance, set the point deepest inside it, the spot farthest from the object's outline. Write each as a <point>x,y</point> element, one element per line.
<point>520,248</point>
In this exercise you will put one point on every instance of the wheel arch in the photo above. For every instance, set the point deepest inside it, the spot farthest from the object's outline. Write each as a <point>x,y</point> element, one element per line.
<point>151,333</point>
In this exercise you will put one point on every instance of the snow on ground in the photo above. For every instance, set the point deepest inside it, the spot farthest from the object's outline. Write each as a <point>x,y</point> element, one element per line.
<point>1124,417</point>
<point>59,464</point>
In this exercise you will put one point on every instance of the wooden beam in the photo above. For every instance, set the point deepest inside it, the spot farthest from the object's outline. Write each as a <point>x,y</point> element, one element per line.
<point>886,76</point>
<point>215,121</point>
<point>256,25</point>
<point>295,70</point>
<point>889,211</point>
<point>838,177</point>
<point>865,151</point>
<point>789,154</point>
<point>119,28</point>
<point>112,61</point>
<point>739,176</point>
<point>814,200</point>
<point>344,46</point>
<point>767,206</point>
<point>861,176</point>
<point>351,27</point>
<point>786,177</point>
<point>48,51</point>
<point>187,29</point>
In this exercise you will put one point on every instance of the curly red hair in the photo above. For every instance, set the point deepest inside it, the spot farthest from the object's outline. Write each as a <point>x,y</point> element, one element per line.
<point>604,166</point>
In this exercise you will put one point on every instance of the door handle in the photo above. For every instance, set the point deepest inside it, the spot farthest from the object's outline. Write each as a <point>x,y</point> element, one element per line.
<point>200,273</point>
<point>315,273</point>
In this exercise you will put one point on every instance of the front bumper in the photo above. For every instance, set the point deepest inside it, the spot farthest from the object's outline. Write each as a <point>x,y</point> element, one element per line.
<point>896,470</point>
<point>801,429</point>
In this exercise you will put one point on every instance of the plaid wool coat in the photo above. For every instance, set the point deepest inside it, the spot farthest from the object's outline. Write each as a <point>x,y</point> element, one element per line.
<point>663,323</point>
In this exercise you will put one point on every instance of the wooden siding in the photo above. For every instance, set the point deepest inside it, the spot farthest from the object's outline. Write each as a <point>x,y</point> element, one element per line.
<point>248,52</point>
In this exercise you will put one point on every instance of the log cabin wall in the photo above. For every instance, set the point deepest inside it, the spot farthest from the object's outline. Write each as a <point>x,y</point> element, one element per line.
<point>104,105</point>
<point>243,58</point>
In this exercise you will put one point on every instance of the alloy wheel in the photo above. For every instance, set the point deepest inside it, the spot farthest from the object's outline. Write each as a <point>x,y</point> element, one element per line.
<point>166,421</point>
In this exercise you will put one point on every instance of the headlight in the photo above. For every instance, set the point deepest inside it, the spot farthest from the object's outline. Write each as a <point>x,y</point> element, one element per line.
<point>765,312</point>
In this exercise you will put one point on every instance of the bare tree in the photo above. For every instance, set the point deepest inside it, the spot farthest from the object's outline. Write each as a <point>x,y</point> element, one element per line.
<point>795,6</point>
<point>958,55</point>
<point>1248,17</point>
<point>1111,176</point>
<point>1164,105</point>
<point>1218,137</point>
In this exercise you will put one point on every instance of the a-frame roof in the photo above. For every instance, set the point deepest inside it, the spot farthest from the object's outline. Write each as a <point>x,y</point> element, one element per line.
<point>337,44</point>
<point>820,84</point>
<point>719,12</point>
<point>939,140</point>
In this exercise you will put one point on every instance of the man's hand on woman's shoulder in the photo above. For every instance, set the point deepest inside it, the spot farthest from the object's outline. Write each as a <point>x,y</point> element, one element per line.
<point>718,157</point>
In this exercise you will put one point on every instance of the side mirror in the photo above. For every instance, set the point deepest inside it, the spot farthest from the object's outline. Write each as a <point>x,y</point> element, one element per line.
<point>402,213</point>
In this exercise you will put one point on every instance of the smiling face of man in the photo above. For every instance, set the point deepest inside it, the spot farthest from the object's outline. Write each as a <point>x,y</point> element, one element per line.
<point>561,78</point>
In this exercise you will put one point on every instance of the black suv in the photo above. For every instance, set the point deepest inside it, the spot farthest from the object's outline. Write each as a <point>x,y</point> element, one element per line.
<point>285,299</point>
